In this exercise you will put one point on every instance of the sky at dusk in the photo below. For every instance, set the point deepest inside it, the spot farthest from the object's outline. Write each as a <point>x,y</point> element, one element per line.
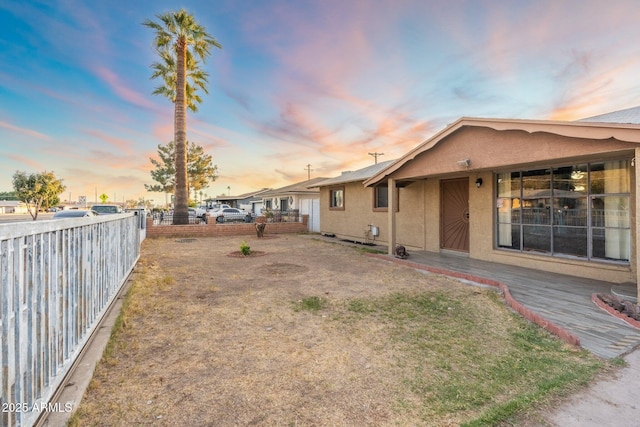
<point>297,82</point>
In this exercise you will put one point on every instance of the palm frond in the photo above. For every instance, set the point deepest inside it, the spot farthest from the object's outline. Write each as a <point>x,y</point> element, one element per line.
<point>172,29</point>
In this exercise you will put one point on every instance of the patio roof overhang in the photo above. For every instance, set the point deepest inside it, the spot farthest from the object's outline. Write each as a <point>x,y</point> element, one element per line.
<point>626,134</point>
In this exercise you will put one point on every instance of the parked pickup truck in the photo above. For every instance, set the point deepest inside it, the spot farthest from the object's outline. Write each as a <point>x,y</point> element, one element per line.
<point>200,212</point>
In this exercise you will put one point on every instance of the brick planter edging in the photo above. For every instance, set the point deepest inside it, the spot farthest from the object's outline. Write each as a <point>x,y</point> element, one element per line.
<point>615,313</point>
<point>528,314</point>
<point>216,230</point>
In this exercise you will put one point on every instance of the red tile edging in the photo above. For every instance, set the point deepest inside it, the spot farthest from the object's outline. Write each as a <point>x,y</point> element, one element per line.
<point>615,313</point>
<point>561,332</point>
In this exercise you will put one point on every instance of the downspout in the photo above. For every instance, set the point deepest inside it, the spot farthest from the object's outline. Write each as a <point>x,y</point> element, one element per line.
<point>391,214</point>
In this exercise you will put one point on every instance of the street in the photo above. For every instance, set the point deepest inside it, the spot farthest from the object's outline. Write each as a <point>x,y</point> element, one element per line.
<point>5,218</point>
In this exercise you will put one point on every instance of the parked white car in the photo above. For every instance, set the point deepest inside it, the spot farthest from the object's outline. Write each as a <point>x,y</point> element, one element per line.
<point>230,215</point>
<point>216,209</point>
<point>74,213</point>
<point>103,209</point>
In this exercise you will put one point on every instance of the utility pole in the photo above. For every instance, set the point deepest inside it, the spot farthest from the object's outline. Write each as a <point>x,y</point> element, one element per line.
<point>375,156</point>
<point>308,169</point>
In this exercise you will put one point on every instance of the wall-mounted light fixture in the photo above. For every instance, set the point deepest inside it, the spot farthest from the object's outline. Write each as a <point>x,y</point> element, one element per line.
<point>479,182</point>
<point>464,163</point>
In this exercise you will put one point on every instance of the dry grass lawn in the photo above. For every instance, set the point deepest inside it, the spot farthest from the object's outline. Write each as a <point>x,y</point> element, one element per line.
<point>312,334</point>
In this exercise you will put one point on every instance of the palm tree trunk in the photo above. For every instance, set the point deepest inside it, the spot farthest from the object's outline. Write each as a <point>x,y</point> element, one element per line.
<point>181,200</point>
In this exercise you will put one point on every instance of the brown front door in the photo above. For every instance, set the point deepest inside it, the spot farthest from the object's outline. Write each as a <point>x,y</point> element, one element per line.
<point>454,215</point>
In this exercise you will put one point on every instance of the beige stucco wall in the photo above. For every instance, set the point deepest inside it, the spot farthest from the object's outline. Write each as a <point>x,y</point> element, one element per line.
<point>418,227</point>
<point>351,223</point>
<point>481,215</point>
<point>410,219</point>
<point>503,150</point>
<point>490,151</point>
<point>432,215</point>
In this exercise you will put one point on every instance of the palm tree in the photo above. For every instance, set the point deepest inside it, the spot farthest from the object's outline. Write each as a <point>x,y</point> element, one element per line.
<point>196,78</point>
<point>176,34</point>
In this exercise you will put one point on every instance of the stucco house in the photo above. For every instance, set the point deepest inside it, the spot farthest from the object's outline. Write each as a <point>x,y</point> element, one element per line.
<point>549,195</point>
<point>347,207</point>
<point>251,201</point>
<point>302,196</point>
<point>13,207</point>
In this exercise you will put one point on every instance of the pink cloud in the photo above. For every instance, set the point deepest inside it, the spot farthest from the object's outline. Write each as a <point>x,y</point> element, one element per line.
<point>37,166</point>
<point>112,159</point>
<point>24,131</point>
<point>118,144</point>
<point>121,90</point>
<point>163,132</point>
<point>594,92</point>
<point>325,78</point>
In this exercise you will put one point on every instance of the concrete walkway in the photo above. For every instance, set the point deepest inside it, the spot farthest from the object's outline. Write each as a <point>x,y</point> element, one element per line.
<point>609,402</point>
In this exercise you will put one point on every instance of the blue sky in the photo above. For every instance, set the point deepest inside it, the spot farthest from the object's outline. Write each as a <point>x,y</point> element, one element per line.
<point>297,82</point>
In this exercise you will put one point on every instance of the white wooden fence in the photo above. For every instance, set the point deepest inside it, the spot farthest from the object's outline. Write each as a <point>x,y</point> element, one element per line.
<point>57,278</point>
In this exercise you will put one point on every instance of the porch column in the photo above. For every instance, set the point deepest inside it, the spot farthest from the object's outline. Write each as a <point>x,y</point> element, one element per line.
<point>391,214</point>
<point>635,227</point>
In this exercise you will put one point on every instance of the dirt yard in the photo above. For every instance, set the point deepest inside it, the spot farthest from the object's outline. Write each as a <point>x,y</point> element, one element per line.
<point>212,339</point>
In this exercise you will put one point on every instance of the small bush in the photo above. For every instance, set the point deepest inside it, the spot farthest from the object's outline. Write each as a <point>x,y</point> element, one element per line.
<point>245,249</point>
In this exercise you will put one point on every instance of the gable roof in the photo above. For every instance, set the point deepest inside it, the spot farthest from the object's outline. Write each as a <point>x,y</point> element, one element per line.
<point>628,115</point>
<point>304,187</point>
<point>12,203</point>
<point>357,175</point>
<point>254,194</point>
<point>577,129</point>
<point>250,195</point>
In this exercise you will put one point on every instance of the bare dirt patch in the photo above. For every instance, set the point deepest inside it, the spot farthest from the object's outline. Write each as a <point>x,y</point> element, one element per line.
<point>240,254</point>
<point>212,340</point>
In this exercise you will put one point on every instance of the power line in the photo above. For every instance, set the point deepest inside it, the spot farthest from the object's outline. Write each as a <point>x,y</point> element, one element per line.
<point>308,169</point>
<point>375,156</point>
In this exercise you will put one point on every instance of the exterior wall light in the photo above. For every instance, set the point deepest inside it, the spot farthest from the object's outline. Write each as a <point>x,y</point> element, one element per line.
<point>464,163</point>
<point>479,182</point>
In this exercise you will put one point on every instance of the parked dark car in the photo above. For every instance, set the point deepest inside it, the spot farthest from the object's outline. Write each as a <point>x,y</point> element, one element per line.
<point>232,214</point>
<point>74,213</point>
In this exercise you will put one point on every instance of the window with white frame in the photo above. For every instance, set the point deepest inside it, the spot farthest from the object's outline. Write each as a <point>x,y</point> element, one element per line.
<point>336,198</point>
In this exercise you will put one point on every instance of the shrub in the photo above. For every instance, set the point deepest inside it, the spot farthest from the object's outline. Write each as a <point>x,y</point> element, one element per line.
<point>245,249</point>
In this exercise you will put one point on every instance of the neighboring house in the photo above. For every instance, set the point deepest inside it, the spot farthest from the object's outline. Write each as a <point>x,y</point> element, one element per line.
<point>13,207</point>
<point>232,201</point>
<point>549,195</point>
<point>302,196</point>
<point>251,202</point>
